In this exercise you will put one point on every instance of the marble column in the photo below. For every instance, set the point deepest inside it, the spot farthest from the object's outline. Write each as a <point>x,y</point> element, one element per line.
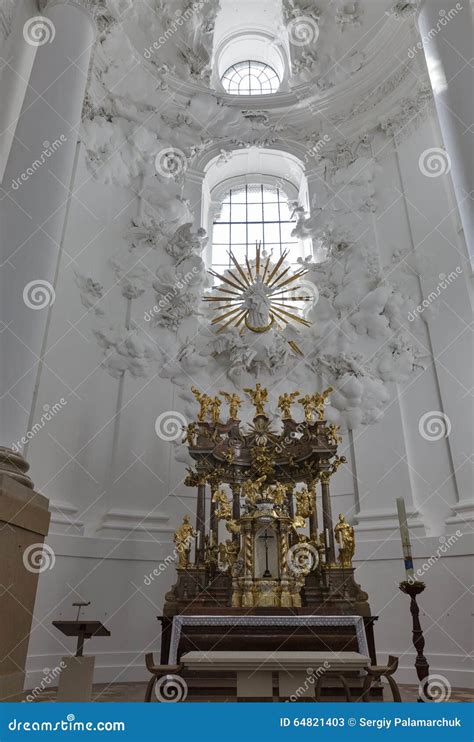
<point>327,520</point>
<point>236,490</point>
<point>446,35</point>
<point>33,198</point>
<point>201,520</point>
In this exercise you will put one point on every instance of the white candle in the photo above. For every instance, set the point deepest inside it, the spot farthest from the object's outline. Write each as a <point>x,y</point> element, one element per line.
<point>405,536</point>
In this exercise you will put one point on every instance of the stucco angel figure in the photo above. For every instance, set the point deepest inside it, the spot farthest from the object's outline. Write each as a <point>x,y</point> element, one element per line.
<point>186,242</point>
<point>183,539</point>
<point>345,537</point>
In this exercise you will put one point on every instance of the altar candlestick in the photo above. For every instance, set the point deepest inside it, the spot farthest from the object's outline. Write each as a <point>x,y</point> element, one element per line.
<point>405,536</point>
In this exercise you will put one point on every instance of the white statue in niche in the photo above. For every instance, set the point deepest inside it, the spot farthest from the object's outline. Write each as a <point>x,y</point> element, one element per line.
<point>257,301</point>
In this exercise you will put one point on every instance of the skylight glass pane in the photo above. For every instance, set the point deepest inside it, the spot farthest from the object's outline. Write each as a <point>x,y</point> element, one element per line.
<point>250,78</point>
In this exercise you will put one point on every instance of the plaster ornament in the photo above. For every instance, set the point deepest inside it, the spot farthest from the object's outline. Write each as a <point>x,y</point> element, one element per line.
<point>127,350</point>
<point>91,292</point>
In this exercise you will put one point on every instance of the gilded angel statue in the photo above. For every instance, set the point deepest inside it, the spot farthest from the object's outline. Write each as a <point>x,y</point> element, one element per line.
<point>234,403</point>
<point>284,404</point>
<point>259,396</point>
<point>205,403</point>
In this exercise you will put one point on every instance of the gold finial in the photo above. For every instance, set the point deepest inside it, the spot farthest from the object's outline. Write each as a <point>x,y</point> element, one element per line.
<point>183,538</point>
<point>259,396</point>
<point>205,402</point>
<point>284,404</point>
<point>345,537</point>
<point>234,403</point>
<point>320,401</point>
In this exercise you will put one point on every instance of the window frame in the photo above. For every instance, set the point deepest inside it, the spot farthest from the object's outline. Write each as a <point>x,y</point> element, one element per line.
<point>220,193</point>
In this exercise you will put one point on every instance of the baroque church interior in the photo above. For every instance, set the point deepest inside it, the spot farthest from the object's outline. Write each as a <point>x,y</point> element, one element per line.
<point>236,378</point>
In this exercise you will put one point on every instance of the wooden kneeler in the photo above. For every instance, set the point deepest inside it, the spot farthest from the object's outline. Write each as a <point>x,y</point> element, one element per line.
<point>157,672</point>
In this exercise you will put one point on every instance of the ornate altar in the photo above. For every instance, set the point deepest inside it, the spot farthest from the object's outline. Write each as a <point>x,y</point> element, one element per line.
<point>264,538</point>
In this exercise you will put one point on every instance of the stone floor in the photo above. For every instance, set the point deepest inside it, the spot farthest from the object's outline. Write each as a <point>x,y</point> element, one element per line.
<point>135,692</point>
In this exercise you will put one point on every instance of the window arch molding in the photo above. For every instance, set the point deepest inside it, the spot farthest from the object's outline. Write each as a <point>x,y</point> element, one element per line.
<point>252,166</point>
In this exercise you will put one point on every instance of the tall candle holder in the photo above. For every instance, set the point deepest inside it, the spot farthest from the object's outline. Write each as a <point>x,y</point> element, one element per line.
<point>414,588</point>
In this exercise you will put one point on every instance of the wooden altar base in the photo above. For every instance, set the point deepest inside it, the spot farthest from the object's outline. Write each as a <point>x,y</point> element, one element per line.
<point>222,688</point>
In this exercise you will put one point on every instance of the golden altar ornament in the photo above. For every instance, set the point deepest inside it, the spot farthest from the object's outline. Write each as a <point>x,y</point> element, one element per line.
<point>183,538</point>
<point>266,512</point>
<point>257,296</point>
<point>345,537</point>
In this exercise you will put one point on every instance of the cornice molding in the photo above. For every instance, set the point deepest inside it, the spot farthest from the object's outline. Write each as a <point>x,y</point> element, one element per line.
<point>95,8</point>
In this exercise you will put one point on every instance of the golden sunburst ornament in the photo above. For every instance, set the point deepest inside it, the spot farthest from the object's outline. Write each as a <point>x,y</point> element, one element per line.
<point>258,296</point>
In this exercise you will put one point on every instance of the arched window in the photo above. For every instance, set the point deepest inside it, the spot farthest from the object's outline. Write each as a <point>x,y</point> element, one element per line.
<point>252,213</point>
<point>250,78</point>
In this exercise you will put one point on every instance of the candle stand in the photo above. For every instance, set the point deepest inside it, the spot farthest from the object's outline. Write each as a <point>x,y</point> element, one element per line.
<point>414,588</point>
